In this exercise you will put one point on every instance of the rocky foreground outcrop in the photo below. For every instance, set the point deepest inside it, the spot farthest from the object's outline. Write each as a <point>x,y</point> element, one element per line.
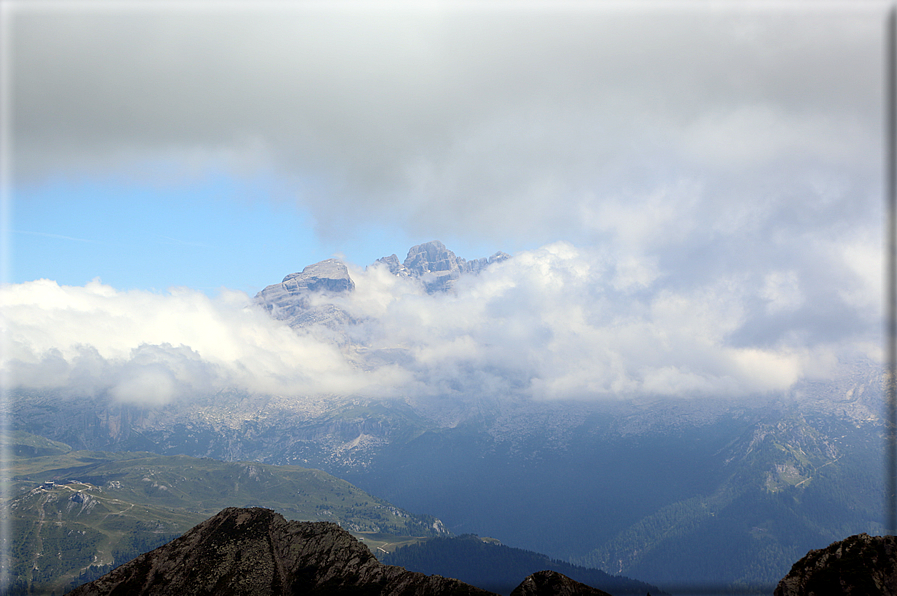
<point>256,552</point>
<point>552,583</point>
<point>861,565</point>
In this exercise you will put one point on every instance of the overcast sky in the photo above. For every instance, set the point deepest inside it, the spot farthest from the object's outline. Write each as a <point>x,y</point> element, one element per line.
<point>692,191</point>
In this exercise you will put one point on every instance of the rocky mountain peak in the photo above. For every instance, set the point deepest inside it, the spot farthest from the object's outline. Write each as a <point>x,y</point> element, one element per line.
<point>436,266</point>
<point>860,564</point>
<point>290,299</point>
<point>552,583</point>
<point>256,552</point>
<point>330,275</point>
<point>431,257</point>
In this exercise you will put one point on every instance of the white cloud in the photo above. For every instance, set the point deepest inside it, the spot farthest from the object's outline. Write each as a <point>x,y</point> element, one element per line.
<point>142,346</point>
<point>557,322</point>
<point>863,256</point>
<point>506,124</point>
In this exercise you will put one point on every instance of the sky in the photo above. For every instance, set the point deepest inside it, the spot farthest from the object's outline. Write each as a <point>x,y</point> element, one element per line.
<point>692,193</point>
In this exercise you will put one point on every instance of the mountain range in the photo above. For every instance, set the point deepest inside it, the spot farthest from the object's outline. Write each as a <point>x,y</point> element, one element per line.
<point>677,492</point>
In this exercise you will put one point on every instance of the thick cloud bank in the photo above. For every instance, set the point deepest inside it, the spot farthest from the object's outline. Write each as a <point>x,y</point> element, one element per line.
<point>149,347</point>
<point>517,124</point>
<point>557,322</point>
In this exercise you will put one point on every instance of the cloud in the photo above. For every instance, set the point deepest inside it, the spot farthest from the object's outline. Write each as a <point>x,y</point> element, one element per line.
<point>491,123</point>
<point>152,348</point>
<point>705,186</point>
<point>568,322</point>
<point>558,322</point>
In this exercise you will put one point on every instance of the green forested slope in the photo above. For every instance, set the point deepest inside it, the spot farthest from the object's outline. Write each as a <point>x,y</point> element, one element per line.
<point>793,488</point>
<point>75,509</point>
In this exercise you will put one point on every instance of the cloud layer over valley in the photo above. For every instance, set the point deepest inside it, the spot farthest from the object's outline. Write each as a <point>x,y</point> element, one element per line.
<point>554,323</point>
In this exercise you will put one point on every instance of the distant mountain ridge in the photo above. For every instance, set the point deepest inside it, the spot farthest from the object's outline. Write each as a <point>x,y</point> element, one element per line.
<point>498,568</point>
<point>668,492</point>
<point>431,264</point>
<point>436,266</point>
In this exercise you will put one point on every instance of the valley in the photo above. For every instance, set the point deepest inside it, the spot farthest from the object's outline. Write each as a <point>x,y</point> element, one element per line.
<point>677,495</point>
<point>77,514</point>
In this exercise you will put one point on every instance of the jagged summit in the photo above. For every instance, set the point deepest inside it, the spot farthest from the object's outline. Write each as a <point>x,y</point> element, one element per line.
<point>290,299</point>
<point>552,583</point>
<point>256,552</point>
<point>432,263</point>
<point>330,275</point>
<point>436,266</point>
<point>431,257</point>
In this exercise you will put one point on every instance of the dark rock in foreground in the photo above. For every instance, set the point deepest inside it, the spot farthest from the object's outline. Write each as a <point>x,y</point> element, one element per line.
<point>552,583</point>
<point>256,552</point>
<point>860,565</point>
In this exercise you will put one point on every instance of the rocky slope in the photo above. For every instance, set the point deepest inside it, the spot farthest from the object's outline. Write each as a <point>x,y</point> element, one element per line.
<point>257,552</point>
<point>858,565</point>
<point>436,266</point>
<point>75,515</point>
<point>293,299</point>
<point>290,300</point>
<point>552,583</point>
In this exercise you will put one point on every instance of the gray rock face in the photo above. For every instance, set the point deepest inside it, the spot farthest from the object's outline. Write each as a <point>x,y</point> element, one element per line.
<point>290,299</point>
<point>395,267</point>
<point>327,276</point>
<point>859,565</point>
<point>552,583</point>
<point>256,552</point>
<point>436,266</point>
<point>330,275</point>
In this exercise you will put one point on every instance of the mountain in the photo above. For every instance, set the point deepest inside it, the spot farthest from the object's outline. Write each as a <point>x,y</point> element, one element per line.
<point>642,486</point>
<point>290,300</point>
<point>858,565</point>
<point>437,267</point>
<point>498,568</point>
<point>545,583</point>
<point>300,299</point>
<point>256,552</point>
<point>107,508</point>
